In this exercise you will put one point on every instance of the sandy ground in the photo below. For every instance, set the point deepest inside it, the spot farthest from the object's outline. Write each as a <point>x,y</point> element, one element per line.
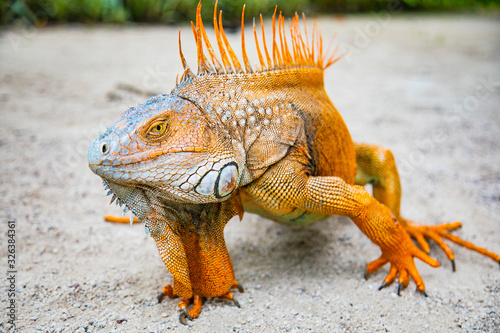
<point>419,85</point>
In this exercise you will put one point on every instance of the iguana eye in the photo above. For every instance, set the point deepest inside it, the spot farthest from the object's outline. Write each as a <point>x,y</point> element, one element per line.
<point>157,130</point>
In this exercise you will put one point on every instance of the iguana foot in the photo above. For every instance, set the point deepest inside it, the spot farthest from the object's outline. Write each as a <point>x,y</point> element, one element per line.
<point>190,314</point>
<point>402,263</point>
<point>197,301</point>
<point>436,233</point>
<point>197,304</point>
<point>183,304</point>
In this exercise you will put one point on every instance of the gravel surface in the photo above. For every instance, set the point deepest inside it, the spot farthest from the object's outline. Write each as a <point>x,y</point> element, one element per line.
<point>425,86</point>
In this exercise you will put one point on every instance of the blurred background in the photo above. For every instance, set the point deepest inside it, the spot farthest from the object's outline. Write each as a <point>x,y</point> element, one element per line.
<point>43,12</point>
<point>421,77</point>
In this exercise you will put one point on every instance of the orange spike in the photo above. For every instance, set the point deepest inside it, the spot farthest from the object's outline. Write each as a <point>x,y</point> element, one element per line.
<point>234,58</point>
<point>294,48</point>
<point>330,44</point>
<point>193,28</point>
<point>298,52</point>
<point>215,61</point>
<point>183,60</point>
<point>289,54</point>
<point>276,53</point>
<point>261,59</point>
<point>320,50</point>
<point>222,50</point>
<point>296,39</point>
<point>248,67</point>
<point>304,48</point>
<point>331,60</point>
<point>283,53</point>
<point>312,43</point>
<point>202,60</point>
<point>287,50</point>
<point>307,38</point>
<point>268,58</point>
<point>301,49</point>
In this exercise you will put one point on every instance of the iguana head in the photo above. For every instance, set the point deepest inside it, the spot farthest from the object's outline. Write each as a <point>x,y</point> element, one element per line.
<point>165,149</point>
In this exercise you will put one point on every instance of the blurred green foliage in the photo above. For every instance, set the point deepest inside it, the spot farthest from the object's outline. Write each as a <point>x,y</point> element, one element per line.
<point>41,12</point>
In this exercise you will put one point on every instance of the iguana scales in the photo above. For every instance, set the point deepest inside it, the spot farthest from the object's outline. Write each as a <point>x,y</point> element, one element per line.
<point>264,139</point>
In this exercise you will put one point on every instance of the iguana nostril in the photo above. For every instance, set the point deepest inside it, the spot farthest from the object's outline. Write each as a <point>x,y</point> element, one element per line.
<point>104,149</point>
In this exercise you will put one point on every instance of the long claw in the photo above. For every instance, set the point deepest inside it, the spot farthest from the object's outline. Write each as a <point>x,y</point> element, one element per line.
<point>182,318</point>
<point>236,302</point>
<point>187,313</point>
<point>238,286</point>
<point>184,315</point>
<point>382,286</point>
<point>422,292</point>
<point>166,291</point>
<point>399,288</point>
<point>453,268</point>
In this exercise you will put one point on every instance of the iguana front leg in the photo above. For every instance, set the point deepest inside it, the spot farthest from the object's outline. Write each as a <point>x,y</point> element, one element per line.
<point>331,195</point>
<point>376,165</point>
<point>193,249</point>
<point>287,187</point>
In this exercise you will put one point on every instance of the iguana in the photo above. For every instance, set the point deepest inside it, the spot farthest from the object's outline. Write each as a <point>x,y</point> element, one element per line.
<point>264,139</point>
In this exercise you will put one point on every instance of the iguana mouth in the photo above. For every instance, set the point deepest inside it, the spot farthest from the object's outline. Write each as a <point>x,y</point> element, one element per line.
<point>106,164</point>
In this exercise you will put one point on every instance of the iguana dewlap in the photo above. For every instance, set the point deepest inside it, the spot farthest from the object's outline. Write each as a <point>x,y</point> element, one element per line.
<point>264,139</point>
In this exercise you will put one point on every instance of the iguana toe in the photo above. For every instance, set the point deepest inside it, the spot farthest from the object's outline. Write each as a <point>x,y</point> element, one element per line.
<point>166,291</point>
<point>237,285</point>
<point>383,285</point>
<point>439,232</point>
<point>399,288</point>
<point>235,301</point>
<point>194,313</point>
<point>230,296</point>
<point>422,292</point>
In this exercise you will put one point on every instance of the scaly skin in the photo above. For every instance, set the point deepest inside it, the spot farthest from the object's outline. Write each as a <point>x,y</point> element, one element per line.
<point>267,141</point>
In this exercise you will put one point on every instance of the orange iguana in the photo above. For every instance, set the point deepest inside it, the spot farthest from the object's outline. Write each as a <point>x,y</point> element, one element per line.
<point>264,139</point>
